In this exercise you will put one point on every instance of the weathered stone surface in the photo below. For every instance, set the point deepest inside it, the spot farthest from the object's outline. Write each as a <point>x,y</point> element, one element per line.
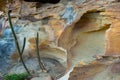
<point>47,39</point>
<point>86,72</point>
<point>94,33</point>
<point>72,31</point>
<point>97,70</point>
<point>43,76</point>
<point>54,67</point>
<point>112,34</point>
<point>86,36</point>
<point>113,40</point>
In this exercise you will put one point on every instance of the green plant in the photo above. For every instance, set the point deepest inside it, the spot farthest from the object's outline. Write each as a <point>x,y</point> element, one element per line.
<point>16,42</point>
<point>21,51</point>
<point>38,54</point>
<point>21,76</point>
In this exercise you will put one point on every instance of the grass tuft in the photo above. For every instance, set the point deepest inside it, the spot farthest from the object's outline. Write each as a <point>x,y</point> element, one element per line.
<point>21,76</point>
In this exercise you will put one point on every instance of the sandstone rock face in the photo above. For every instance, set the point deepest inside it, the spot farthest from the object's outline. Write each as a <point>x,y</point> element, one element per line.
<point>113,39</point>
<point>94,33</point>
<point>112,34</point>
<point>29,26</point>
<point>96,71</point>
<point>71,32</point>
<point>91,32</point>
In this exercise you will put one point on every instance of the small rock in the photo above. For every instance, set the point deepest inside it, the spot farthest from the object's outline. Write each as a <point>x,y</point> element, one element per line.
<point>1,76</point>
<point>43,76</point>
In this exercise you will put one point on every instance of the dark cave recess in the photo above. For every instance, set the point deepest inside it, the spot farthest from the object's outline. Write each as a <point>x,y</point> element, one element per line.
<point>44,1</point>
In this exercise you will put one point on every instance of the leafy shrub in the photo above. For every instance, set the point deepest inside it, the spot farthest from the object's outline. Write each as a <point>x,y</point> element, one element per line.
<point>21,76</point>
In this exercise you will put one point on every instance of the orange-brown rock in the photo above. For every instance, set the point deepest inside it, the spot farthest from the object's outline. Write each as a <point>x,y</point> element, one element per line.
<point>86,72</point>
<point>58,26</point>
<point>14,57</point>
<point>113,39</point>
<point>112,34</point>
<point>96,71</point>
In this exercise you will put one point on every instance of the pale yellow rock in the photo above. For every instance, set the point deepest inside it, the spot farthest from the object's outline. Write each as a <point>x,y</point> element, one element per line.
<point>86,38</point>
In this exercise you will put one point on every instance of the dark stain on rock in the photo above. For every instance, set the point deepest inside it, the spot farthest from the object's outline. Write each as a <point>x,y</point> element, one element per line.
<point>116,68</point>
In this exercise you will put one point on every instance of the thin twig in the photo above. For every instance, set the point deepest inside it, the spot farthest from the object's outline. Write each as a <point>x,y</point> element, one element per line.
<point>38,55</point>
<point>16,42</point>
<point>24,42</point>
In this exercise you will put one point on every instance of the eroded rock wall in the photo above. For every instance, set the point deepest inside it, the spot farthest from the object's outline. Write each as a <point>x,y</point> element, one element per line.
<point>70,31</point>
